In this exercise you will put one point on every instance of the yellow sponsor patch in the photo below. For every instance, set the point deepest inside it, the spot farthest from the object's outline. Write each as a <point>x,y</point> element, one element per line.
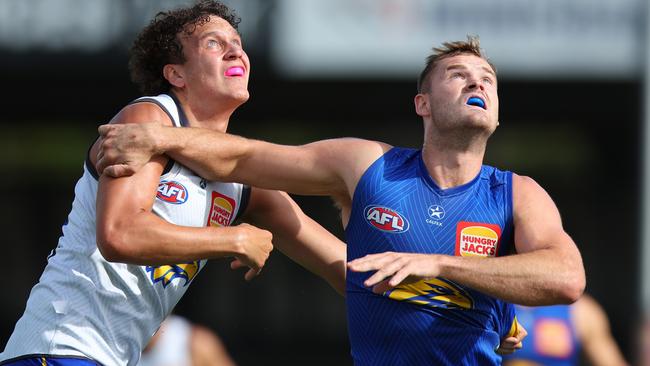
<point>477,239</point>
<point>221,211</point>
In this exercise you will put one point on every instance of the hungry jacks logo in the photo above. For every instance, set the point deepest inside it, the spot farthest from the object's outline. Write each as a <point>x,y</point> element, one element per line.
<point>475,239</point>
<point>221,211</point>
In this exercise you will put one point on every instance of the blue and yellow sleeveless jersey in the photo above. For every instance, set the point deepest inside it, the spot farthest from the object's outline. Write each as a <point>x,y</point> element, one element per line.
<point>398,207</point>
<point>551,340</point>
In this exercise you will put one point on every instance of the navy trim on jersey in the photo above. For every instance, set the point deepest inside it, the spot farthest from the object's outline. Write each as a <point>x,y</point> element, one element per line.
<point>170,163</point>
<point>156,102</point>
<point>50,360</point>
<point>89,165</point>
<point>243,202</point>
<point>182,117</point>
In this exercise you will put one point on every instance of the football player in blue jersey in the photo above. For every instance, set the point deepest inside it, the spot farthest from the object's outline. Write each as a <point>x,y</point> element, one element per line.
<point>439,244</point>
<point>559,334</point>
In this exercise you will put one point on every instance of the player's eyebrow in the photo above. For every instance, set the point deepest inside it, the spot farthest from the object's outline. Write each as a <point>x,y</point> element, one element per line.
<point>464,67</point>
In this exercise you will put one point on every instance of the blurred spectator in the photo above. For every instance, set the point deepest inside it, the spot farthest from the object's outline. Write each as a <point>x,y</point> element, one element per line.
<point>181,343</point>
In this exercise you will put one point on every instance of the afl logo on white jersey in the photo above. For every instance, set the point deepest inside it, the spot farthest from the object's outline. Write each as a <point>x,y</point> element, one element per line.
<point>386,219</point>
<point>172,192</point>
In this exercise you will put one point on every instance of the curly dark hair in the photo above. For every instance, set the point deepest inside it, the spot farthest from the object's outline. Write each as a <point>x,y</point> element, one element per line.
<point>448,49</point>
<point>158,43</point>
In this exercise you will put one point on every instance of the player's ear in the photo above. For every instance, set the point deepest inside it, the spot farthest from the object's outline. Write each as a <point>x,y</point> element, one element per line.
<point>422,106</point>
<point>174,75</point>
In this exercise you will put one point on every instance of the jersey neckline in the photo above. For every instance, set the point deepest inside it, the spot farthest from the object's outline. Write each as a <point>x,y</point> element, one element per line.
<point>444,191</point>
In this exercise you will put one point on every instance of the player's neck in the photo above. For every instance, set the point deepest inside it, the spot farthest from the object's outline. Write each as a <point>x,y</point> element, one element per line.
<point>451,168</point>
<point>212,115</point>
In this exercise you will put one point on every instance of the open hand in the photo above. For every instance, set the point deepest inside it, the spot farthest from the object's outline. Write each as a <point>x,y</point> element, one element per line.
<point>394,268</point>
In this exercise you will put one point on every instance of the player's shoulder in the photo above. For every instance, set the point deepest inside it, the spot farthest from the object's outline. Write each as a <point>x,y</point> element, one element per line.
<point>525,185</point>
<point>523,180</point>
<point>532,201</point>
<point>145,110</point>
<point>359,143</point>
<point>346,152</point>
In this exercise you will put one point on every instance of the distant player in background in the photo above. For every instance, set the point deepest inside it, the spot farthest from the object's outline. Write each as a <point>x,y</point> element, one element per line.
<point>178,342</point>
<point>559,334</point>
<point>429,231</point>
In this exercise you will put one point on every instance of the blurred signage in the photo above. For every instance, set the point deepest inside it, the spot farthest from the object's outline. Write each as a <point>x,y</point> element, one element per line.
<point>92,25</point>
<point>524,38</point>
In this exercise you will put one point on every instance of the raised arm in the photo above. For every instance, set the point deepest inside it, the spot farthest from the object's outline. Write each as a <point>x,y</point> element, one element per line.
<point>127,230</point>
<point>329,167</point>
<point>298,236</point>
<point>547,268</point>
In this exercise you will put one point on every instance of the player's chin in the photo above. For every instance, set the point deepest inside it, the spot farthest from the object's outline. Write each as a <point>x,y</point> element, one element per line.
<point>484,124</point>
<point>240,96</point>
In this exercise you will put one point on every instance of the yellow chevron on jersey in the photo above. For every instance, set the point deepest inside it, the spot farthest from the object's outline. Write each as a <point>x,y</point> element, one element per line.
<point>167,273</point>
<point>434,292</point>
<point>514,328</point>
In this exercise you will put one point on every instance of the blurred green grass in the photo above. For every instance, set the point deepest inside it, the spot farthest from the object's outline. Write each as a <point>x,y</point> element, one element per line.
<point>57,149</point>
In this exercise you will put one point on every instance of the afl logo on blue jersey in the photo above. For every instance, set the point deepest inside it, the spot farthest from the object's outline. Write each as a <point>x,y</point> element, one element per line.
<point>172,192</point>
<point>386,219</point>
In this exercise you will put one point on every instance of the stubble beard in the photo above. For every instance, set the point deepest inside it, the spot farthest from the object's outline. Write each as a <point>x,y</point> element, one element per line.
<point>462,134</point>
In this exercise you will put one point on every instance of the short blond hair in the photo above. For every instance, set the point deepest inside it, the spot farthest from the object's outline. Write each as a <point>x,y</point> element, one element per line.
<point>471,46</point>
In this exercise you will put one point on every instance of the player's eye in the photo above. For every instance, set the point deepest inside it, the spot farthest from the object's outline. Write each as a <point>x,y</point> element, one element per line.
<point>213,43</point>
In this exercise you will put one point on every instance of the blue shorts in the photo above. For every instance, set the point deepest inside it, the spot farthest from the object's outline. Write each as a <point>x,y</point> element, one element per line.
<point>49,360</point>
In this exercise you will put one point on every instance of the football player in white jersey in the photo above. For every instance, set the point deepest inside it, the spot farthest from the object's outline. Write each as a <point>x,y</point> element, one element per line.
<point>179,342</point>
<point>132,245</point>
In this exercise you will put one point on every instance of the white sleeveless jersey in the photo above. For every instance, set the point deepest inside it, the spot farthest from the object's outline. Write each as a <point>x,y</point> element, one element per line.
<point>173,345</point>
<point>86,306</point>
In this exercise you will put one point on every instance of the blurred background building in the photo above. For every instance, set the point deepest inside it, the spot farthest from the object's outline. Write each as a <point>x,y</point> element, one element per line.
<point>571,81</point>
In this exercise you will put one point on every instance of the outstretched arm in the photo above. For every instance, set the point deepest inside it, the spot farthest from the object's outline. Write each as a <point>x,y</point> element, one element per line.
<point>298,236</point>
<point>329,167</point>
<point>547,268</point>
<point>127,230</point>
